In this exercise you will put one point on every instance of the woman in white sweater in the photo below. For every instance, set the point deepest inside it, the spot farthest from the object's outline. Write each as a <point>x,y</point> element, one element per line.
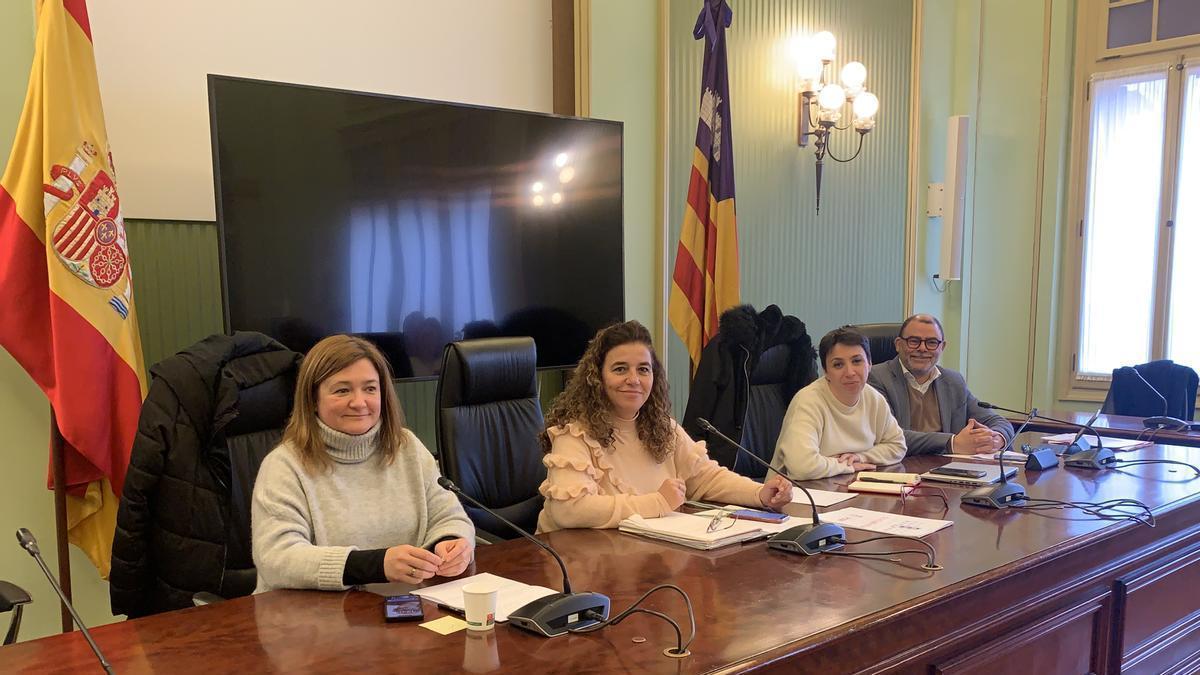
<point>838,424</point>
<point>350,496</point>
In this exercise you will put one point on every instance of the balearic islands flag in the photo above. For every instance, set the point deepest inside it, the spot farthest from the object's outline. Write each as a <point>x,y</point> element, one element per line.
<point>705,282</point>
<point>65,280</point>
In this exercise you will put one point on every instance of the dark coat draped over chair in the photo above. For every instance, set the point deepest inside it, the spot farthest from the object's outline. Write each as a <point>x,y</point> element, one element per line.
<point>1129,395</point>
<point>212,414</point>
<point>747,375</point>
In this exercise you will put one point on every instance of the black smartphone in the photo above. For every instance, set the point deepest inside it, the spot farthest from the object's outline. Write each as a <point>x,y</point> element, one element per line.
<point>402,608</point>
<point>952,471</point>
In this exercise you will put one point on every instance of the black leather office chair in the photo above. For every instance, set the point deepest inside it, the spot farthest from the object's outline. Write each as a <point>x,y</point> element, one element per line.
<point>768,401</point>
<point>488,421</point>
<point>13,599</point>
<point>882,337</point>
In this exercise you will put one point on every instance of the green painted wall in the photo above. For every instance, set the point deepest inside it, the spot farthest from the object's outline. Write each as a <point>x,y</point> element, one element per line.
<point>24,412</point>
<point>624,51</point>
<point>991,69</point>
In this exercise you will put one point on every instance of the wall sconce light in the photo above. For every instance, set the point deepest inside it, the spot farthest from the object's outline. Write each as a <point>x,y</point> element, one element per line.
<point>823,102</point>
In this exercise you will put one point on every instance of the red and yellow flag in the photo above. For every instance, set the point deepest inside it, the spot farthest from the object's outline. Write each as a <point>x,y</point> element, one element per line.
<point>68,317</point>
<point>706,282</point>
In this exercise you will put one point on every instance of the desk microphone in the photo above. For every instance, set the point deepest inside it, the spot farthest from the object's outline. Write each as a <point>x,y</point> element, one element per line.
<point>807,539</point>
<point>1163,421</point>
<point>25,538</point>
<point>555,614</point>
<point>1004,493</point>
<point>1079,453</point>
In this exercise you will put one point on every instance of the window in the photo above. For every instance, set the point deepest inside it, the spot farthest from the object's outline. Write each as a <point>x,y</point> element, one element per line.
<point>1136,203</point>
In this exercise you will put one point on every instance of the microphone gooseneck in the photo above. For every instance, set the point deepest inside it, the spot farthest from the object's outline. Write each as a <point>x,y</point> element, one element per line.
<point>551,615</point>
<point>811,539</point>
<point>1085,427</point>
<point>708,426</point>
<point>1164,420</point>
<point>448,484</point>
<point>1004,494</point>
<point>29,543</point>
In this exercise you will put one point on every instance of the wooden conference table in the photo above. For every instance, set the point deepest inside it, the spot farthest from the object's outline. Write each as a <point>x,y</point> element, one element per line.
<point>1021,592</point>
<point>1116,426</point>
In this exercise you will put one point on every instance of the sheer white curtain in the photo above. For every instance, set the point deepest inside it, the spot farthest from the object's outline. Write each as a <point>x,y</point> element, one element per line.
<point>1183,332</point>
<point>1121,218</point>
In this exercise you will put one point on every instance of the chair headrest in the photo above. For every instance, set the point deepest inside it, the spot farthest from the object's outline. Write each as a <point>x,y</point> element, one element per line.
<point>487,370</point>
<point>882,338</point>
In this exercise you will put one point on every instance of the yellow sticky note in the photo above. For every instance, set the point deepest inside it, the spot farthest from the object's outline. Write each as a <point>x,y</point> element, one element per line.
<point>445,625</point>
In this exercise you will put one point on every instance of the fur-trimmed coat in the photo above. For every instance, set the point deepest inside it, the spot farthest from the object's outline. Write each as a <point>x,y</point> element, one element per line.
<point>720,390</point>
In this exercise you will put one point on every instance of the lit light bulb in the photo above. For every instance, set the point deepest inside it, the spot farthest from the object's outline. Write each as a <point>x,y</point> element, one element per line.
<point>560,160</point>
<point>538,200</point>
<point>832,97</point>
<point>866,105</point>
<point>566,174</point>
<point>854,74</point>
<point>824,44</point>
<point>556,198</point>
<point>537,187</point>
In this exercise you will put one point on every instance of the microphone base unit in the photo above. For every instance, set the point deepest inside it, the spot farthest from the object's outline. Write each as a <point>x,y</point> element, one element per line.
<point>999,496</point>
<point>809,539</point>
<point>1095,458</point>
<point>556,614</point>
<point>1164,422</point>
<point>1042,459</point>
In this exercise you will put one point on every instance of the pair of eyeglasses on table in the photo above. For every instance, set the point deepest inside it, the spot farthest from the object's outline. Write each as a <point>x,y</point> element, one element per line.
<point>721,520</point>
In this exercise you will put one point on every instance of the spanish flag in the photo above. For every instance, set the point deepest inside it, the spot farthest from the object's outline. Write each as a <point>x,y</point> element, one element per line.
<point>705,282</point>
<point>65,279</point>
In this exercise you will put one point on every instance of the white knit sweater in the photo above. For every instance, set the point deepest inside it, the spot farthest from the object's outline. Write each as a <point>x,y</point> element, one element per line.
<point>304,526</point>
<point>817,427</point>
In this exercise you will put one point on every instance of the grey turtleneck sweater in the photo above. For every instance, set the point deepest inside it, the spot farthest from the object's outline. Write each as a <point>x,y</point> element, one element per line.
<point>305,526</point>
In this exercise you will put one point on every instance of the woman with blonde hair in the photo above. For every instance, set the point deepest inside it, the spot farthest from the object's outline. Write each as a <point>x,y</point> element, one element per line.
<point>350,496</point>
<point>613,450</point>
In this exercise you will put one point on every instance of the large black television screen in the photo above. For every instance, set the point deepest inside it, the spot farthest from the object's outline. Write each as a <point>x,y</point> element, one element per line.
<point>413,223</point>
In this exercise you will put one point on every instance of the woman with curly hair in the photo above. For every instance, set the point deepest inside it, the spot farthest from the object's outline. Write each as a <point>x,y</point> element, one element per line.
<point>613,450</point>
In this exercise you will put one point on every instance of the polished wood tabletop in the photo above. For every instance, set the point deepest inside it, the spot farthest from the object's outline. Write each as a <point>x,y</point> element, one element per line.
<point>754,607</point>
<point>1117,426</point>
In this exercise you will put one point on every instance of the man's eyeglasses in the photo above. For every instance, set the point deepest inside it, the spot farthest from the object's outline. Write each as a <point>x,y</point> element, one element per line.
<point>916,342</point>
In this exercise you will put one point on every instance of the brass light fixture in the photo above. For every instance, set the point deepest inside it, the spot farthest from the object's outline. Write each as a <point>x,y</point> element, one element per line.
<point>823,101</point>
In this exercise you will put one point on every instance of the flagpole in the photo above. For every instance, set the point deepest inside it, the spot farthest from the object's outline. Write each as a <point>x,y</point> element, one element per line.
<point>58,460</point>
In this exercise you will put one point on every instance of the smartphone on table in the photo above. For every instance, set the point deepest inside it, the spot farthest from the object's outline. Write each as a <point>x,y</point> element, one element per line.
<point>760,516</point>
<point>402,608</point>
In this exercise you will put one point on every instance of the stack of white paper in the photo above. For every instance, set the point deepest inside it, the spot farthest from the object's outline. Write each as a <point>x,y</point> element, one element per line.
<point>512,596</point>
<point>885,523</point>
<point>821,497</point>
<point>691,530</point>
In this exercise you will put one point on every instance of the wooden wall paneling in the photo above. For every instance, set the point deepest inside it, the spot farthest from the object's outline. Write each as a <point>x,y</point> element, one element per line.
<point>1159,615</point>
<point>1074,640</point>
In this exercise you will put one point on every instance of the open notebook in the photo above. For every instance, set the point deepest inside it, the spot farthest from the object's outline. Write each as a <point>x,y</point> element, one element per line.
<point>692,530</point>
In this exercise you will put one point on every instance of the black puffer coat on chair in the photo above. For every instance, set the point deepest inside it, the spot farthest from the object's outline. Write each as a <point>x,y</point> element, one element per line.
<point>720,390</point>
<point>212,413</point>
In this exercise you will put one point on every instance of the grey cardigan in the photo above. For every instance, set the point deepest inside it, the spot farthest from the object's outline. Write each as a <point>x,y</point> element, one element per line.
<point>955,401</point>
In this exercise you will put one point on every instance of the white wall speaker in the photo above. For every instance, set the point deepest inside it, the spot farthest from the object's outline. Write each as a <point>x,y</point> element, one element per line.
<point>954,197</point>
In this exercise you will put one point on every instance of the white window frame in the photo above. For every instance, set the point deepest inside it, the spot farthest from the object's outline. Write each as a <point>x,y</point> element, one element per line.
<point>1093,57</point>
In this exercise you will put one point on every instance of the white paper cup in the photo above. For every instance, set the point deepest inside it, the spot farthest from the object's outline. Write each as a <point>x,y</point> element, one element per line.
<point>479,605</point>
